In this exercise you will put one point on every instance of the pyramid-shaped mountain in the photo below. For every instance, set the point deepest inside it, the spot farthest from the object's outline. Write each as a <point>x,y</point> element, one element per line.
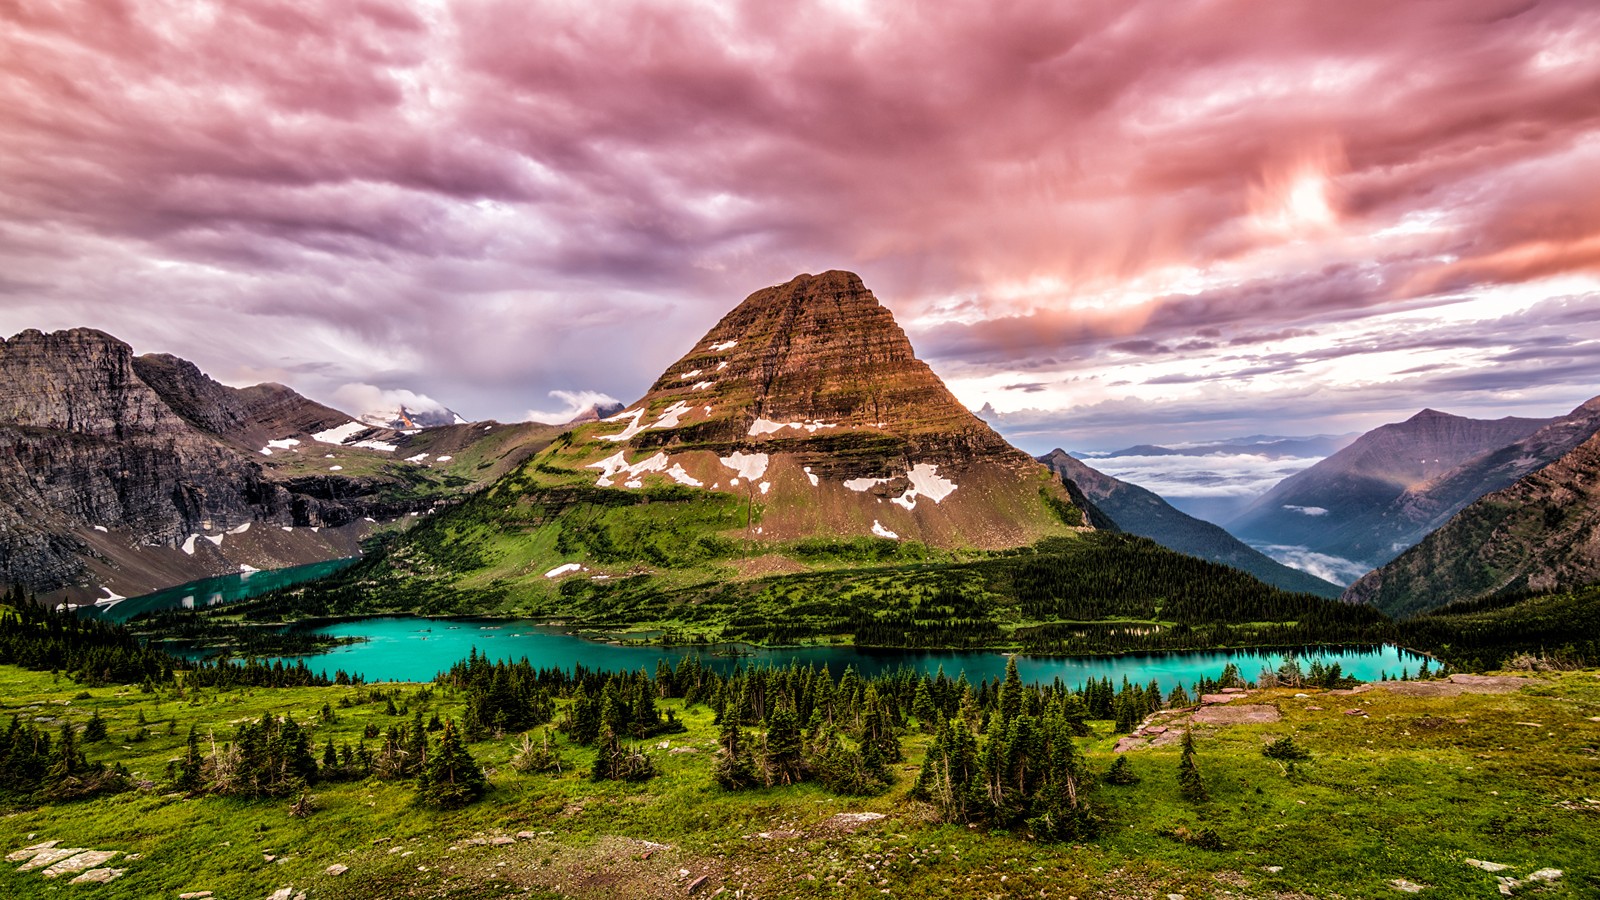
<point>809,398</point>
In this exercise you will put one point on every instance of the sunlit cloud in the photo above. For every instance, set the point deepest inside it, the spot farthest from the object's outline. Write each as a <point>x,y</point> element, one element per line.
<point>1162,220</point>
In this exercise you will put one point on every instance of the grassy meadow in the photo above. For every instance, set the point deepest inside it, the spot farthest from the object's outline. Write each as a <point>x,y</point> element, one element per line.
<point>1410,789</point>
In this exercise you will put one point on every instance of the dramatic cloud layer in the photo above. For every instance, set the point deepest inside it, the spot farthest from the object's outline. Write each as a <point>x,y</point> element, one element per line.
<point>1113,221</point>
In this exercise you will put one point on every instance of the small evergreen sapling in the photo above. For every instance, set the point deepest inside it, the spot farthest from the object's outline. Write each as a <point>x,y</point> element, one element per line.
<point>1190,784</point>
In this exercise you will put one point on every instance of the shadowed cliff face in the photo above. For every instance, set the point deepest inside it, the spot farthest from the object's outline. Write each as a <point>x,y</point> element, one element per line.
<point>111,465</point>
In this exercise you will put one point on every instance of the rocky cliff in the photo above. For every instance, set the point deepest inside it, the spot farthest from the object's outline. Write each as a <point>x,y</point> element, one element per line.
<point>1541,534</point>
<point>123,474</point>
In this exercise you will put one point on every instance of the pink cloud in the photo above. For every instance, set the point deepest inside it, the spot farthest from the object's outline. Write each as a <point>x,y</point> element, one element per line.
<point>418,178</point>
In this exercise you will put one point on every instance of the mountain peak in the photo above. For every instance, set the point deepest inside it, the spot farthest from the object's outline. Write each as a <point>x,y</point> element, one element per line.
<point>1430,414</point>
<point>815,359</point>
<point>809,396</point>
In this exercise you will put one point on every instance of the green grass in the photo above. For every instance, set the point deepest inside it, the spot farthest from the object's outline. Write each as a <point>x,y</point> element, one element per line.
<point>1409,793</point>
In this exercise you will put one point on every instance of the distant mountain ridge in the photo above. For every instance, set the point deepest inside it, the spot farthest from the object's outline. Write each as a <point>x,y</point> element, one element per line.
<point>1342,505</point>
<point>1539,535</point>
<point>1138,511</point>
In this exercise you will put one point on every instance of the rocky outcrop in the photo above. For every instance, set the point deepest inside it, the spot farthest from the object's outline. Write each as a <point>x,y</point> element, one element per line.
<point>1344,506</point>
<point>112,466</point>
<point>1138,511</point>
<point>247,416</point>
<point>1541,534</point>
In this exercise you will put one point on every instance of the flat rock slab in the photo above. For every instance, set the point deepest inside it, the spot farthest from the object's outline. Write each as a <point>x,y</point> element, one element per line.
<point>49,857</point>
<point>850,821</point>
<point>30,852</point>
<point>1407,887</point>
<point>98,876</point>
<point>1238,714</point>
<point>89,859</point>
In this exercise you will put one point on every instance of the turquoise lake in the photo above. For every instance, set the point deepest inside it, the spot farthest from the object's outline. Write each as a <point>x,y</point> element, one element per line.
<point>214,591</point>
<point>405,648</point>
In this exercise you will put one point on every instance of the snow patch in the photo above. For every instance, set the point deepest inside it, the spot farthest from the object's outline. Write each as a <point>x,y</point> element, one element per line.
<point>811,476</point>
<point>688,375</point>
<point>247,569</point>
<point>417,459</point>
<point>725,345</point>
<point>286,527</point>
<point>766,486</point>
<point>617,465</point>
<point>282,444</point>
<point>701,385</point>
<point>240,530</point>
<point>767,426</point>
<point>750,466</point>
<point>214,538</point>
<point>443,458</point>
<point>1306,510</point>
<point>925,482</point>
<point>376,445</point>
<point>100,528</point>
<point>561,570</point>
<point>677,473</point>
<point>188,544</point>
<point>336,468</point>
<point>671,415</point>
<point>881,531</point>
<point>112,598</point>
<point>340,434</point>
<point>722,365</point>
<point>633,427</point>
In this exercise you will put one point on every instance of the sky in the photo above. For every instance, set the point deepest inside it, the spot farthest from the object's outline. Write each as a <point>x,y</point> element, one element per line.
<point>1111,221</point>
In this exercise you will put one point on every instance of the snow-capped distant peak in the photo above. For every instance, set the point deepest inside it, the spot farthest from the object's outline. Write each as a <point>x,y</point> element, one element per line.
<point>404,418</point>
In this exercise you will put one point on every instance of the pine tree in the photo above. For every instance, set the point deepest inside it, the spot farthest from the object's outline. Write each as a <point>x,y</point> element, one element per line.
<point>1011,692</point>
<point>583,722</point>
<point>1190,785</point>
<point>95,731</point>
<point>733,770</point>
<point>782,761</point>
<point>1121,772</point>
<point>922,707</point>
<point>451,778</point>
<point>948,772</point>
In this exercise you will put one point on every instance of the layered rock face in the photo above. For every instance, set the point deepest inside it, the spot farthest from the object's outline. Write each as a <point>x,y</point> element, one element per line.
<point>111,468</point>
<point>810,395</point>
<point>1539,535</point>
<point>818,365</point>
